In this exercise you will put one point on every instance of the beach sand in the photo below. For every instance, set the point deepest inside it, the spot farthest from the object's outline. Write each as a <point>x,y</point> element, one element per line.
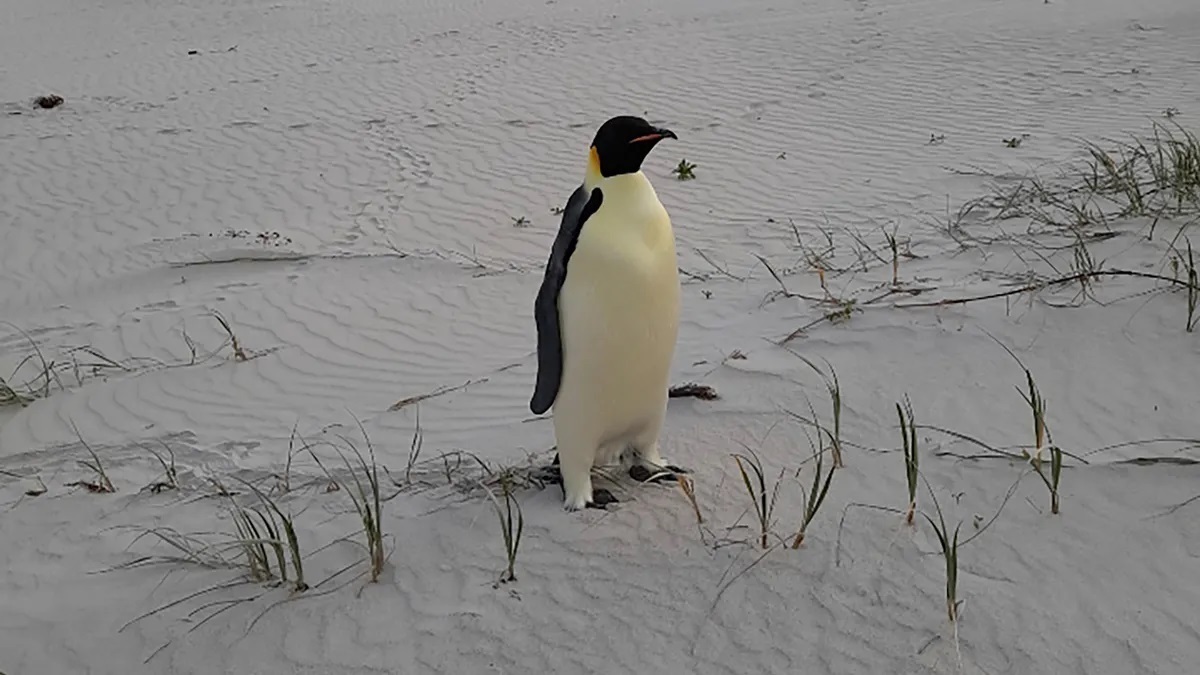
<point>365,192</point>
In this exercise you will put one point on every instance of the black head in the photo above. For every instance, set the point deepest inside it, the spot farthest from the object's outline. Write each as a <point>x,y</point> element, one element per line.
<point>622,143</point>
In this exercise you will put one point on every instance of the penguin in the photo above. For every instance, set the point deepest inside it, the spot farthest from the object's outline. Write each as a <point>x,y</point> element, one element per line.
<point>607,316</point>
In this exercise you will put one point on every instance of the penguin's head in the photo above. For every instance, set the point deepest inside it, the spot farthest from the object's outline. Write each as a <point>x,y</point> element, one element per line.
<point>622,143</point>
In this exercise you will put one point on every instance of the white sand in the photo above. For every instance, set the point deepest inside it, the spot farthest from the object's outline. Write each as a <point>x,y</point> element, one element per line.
<point>353,127</point>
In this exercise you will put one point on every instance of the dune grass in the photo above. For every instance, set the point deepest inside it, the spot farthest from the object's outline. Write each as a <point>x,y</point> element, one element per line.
<point>364,492</point>
<point>280,528</point>
<point>1037,405</point>
<point>100,482</point>
<point>512,525</point>
<point>948,541</point>
<point>170,478</point>
<point>762,500</point>
<point>814,497</point>
<point>1155,176</point>
<point>832,433</point>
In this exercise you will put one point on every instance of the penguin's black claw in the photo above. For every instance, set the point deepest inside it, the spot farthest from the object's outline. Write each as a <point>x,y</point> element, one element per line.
<point>601,498</point>
<point>551,475</point>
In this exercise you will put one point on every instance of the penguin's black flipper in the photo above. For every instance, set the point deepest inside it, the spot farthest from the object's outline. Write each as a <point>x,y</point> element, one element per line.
<point>580,207</point>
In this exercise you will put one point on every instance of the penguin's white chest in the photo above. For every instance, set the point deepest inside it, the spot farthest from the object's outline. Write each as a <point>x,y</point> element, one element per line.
<point>620,309</point>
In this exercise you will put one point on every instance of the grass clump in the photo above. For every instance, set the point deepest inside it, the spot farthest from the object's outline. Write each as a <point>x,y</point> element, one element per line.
<point>512,525</point>
<point>364,492</point>
<point>278,531</point>
<point>10,396</point>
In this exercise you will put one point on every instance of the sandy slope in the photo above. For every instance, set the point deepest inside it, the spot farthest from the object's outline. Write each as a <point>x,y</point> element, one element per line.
<point>394,146</point>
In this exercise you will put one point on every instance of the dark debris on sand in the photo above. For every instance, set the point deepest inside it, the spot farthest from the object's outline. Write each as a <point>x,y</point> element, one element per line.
<point>47,102</point>
<point>693,390</point>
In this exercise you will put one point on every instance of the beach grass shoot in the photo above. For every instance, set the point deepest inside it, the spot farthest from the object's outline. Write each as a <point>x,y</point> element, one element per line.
<point>170,477</point>
<point>814,497</point>
<point>834,389</point>
<point>254,542</point>
<point>512,524</point>
<point>365,494</point>
<point>100,482</point>
<point>948,541</point>
<point>1037,406</point>
<point>277,522</point>
<point>912,463</point>
<point>762,500</point>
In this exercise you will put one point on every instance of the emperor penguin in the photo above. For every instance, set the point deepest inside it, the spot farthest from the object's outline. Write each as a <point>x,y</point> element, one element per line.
<point>607,317</point>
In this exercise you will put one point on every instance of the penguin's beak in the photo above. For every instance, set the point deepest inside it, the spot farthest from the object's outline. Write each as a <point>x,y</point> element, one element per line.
<point>657,135</point>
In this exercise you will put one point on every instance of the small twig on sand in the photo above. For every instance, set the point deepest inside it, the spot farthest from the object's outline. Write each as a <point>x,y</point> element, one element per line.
<point>405,402</point>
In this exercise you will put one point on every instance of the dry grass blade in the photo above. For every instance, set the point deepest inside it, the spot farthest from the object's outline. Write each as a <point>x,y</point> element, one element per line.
<point>10,396</point>
<point>440,391</point>
<point>170,479</point>
<point>414,451</point>
<point>688,486</point>
<point>238,352</point>
<point>101,483</point>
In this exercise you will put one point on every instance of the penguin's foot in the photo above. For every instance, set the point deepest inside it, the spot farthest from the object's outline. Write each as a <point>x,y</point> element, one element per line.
<point>551,475</point>
<point>642,473</point>
<point>601,498</point>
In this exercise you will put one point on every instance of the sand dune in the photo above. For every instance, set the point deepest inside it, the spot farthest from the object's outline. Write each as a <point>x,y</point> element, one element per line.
<point>365,192</point>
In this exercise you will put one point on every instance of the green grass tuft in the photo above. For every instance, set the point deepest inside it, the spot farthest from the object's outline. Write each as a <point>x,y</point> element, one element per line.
<point>815,496</point>
<point>762,500</point>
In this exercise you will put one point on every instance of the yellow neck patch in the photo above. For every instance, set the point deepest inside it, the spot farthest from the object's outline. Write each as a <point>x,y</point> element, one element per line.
<point>593,176</point>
